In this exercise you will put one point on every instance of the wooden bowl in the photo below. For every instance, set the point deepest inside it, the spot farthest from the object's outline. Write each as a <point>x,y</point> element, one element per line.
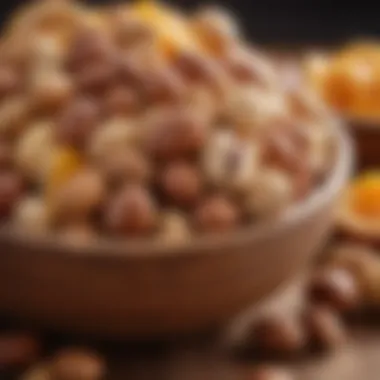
<point>145,290</point>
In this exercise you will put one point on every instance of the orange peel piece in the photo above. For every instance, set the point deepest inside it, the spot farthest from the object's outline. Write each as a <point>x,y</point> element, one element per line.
<point>172,29</point>
<point>65,164</point>
<point>365,196</point>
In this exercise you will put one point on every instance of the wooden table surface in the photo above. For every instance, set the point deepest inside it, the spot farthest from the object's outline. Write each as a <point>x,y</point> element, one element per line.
<point>211,358</point>
<point>358,360</point>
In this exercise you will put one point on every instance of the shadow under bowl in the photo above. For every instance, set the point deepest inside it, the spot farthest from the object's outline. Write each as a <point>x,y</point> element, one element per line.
<point>145,290</point>
<point>366,136</point>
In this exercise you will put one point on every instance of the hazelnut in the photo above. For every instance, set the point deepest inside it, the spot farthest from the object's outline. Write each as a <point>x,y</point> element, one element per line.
<point>6,154</point>
<point>11,189</point>
<point>131,212</point>
<point>31,215</point>
<point>79,196</point>
<point>38,372</point>
<point>77,364</point>
<point>181,183</point>
<point>279,334</point>
<point>121,100</point>
<point>127,165</point>
<point>14,112</point>
<point>216,29</point>
<point>77,122</point>
<point>130,72</point>
<point>175,133</point>
<point>271,193</point>
<point>270,373</point>
<point>9,81</point>
<point>18,348</point>
<point>88,46</point>
<point>174,228</point>
<point>335,287</point>
<point>49,90</point>
<point>161,86</point>
<point>95,77</point>
<point>230,161</point>
<point>325,327</point>
<point>283,149</point>
<point>216,214</point>
<point>198,69</point>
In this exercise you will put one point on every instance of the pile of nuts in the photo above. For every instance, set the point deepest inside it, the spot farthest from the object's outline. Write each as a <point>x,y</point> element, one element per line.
<point>136,120</point>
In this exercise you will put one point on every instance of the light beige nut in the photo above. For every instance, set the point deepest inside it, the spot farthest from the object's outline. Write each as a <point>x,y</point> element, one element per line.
<point>34,150</point>
<point>271,193</point>
<point>79,196</point>
<point>114,135</point>
<point>216,29</point>
<point>174,228</point>
<point>250,110</point>
<point>77,364</point>
<point>31,215</point>
<point>230,161</point>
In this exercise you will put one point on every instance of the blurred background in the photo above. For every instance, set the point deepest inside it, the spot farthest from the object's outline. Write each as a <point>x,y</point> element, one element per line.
<point>293,22</point>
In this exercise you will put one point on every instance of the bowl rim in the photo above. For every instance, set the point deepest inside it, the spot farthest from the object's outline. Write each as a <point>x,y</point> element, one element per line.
<point>210,244</point>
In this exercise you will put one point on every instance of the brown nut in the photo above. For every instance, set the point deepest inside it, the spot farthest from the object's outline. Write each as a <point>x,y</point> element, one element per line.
<point>11,189</point>
<point>49,90</point>
<point>9,80</point>
<point>270,373</point>
<point>127,165</point>
<point>6,154</point>
<point>18,348</point>
<point>121,100</point>
<point>87,46</point>
<point>78,197</point>
<point>283,148</point>
<point>96,77</point>
<point>181,183</point>
<point>279,334</point>
<point>363,263</point>
<point>335,287</point>
<point>216,214</point>
<point>77,122</point>
<point>325,327</point>
<point>161,86</point>
<point>175,133</point>
<point>14,114</point>
<point>198,69</point>
<point>131,212</point>
<point>77,364</point>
